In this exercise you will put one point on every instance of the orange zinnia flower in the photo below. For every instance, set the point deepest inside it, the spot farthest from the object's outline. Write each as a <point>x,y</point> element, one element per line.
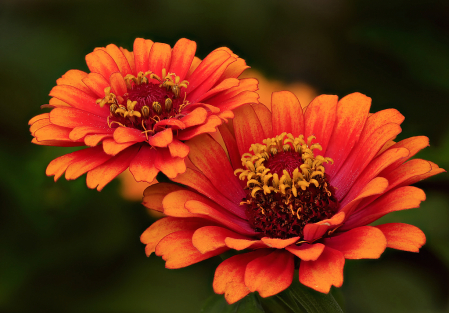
<point>311,180</point>
<point>140,105</point>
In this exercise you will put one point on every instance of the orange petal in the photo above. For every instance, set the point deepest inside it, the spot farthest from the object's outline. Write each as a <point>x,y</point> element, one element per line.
<point>102,63</point>
<point>247,127</point>
<point>210,238</point>
<point>264,116</point>
<point>52,132</point>
<point>195,63</point>
<point>78,99</point>
<point>182,56</point>
<point>229,276</point>
<point>324,272</point>
<point>270,274</point>
<point>170,166</point>
<point>85,163</point>
<point>225,103</point>
<point>207,68</point>
<point>177,250</point>
<point>38,124</point>
<point>375,187</point>
<point>319,120</point>
<point>352,112</point>
<point>74,78</point>
<point>223,86</point>
<point>373,170</point>
<point>118,84</point>
<point>127,134</point>
<point>59,165</point>
<point>178,149</point>
<point>403,236</point>
<point>142,166</point>
<point>165,226</point>
<point>279,243</point>
<point>130,57</point>
<point>317,230</point>
<point>93,140</point>
<point>208,156</point>
<point>174,203</point>
<point>306,252</point>
<point>361,155</point>
<point>154,194</point>
<point>398,199</point>
<point>413,144</point>
<point>242,244</point>
<point>234,69</point>
<point>96,84</point>
<point>38,117</point>
<point>159,57</point>
<point>102,175</point>
<point>287,114</point>
<point>215,212</point>
<point>196,117</point>
<point>57,143</point>
<point>141,51</point>
<point>71,117</point>
<point>208,127</point>
<point>81,131</point>
<point>231,146</point>
<point>56,103</point>
<point>119,58</point>
<point>364,242</point>
<point>112,148</point>
<point>199,182</point>
<point>161,139</point>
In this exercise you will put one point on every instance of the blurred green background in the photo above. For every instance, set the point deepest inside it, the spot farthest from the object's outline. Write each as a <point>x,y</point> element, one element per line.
<point>65,248</point>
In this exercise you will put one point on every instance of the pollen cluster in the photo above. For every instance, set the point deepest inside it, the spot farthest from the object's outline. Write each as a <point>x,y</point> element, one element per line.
<point>287,186</point>
<point>145,102</point>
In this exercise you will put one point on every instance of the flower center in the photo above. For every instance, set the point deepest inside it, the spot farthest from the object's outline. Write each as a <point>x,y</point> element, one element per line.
<point>146,103</point>
<point>287,187</point>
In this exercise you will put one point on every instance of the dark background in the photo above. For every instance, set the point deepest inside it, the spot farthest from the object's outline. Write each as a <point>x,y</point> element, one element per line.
<point>65,248</point>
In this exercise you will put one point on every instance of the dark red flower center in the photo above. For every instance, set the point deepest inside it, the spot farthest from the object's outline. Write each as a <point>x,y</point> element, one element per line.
<point>287,187</point>
<point>149,99</point>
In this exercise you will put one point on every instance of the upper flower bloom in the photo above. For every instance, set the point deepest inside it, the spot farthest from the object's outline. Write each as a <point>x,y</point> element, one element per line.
<point>140,106</point>
<point>311,179</point>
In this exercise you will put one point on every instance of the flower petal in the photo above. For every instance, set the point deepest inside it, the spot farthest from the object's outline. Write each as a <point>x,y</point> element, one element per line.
<point>118,84</point>
<point>352,112</point>
<point>159,57</point>
<point>287,114</point>
<point>182,55</point>
<point>87,162</point>
<point>141,51</point>
<point>319,120</point>
<point>103,174</point>
<point>229,276</point>
<point>314,231</point>
<point>196,117</point>
<point>70,117</point>
<point>170,166</point>
<point>403,236</point>
<point>364,242</point>
<point>324,272</point>
<point>164,227</point>
<point>306,252</point>
<point>102,63</point>
<point>128,134</point>
<point>279,243</point>
<point>242,244</point>
<point>96,84</point>
<point>247,127</point>
<point>208,156</point>
<point>223,86</point>
<point>264,116</point>
<point>142,166</point>
<point>154,195</point>
<point>208,127</point>
<point>80,132</point>
<point>119,58</point>
<point>270,274</point>
<point>398,199</point>
<point>178,149</point>
<point>178,251</point>
<point>210,238</point>
<point>161,139</point>
<point>111,147</point>
<point>74,78</point>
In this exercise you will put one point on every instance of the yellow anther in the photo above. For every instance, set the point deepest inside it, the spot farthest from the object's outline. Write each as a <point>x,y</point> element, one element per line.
<point>145,112</point>
<point>168,105</point>
<point>157,107</point>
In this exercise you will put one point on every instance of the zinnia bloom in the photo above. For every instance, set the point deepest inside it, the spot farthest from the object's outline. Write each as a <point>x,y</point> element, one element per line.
<point>140,106</point>
<point>312,179</point>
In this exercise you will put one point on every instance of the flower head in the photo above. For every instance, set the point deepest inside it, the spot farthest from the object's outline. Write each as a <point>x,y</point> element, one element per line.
<point>135,109</point>
<point>311,180</point>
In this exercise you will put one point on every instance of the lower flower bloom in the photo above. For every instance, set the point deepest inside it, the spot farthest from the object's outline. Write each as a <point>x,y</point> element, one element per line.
<point>296,187</point>
<point>135,109</point>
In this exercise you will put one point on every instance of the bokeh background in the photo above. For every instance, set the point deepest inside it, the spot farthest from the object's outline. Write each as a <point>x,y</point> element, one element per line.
<point>65,248</point>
